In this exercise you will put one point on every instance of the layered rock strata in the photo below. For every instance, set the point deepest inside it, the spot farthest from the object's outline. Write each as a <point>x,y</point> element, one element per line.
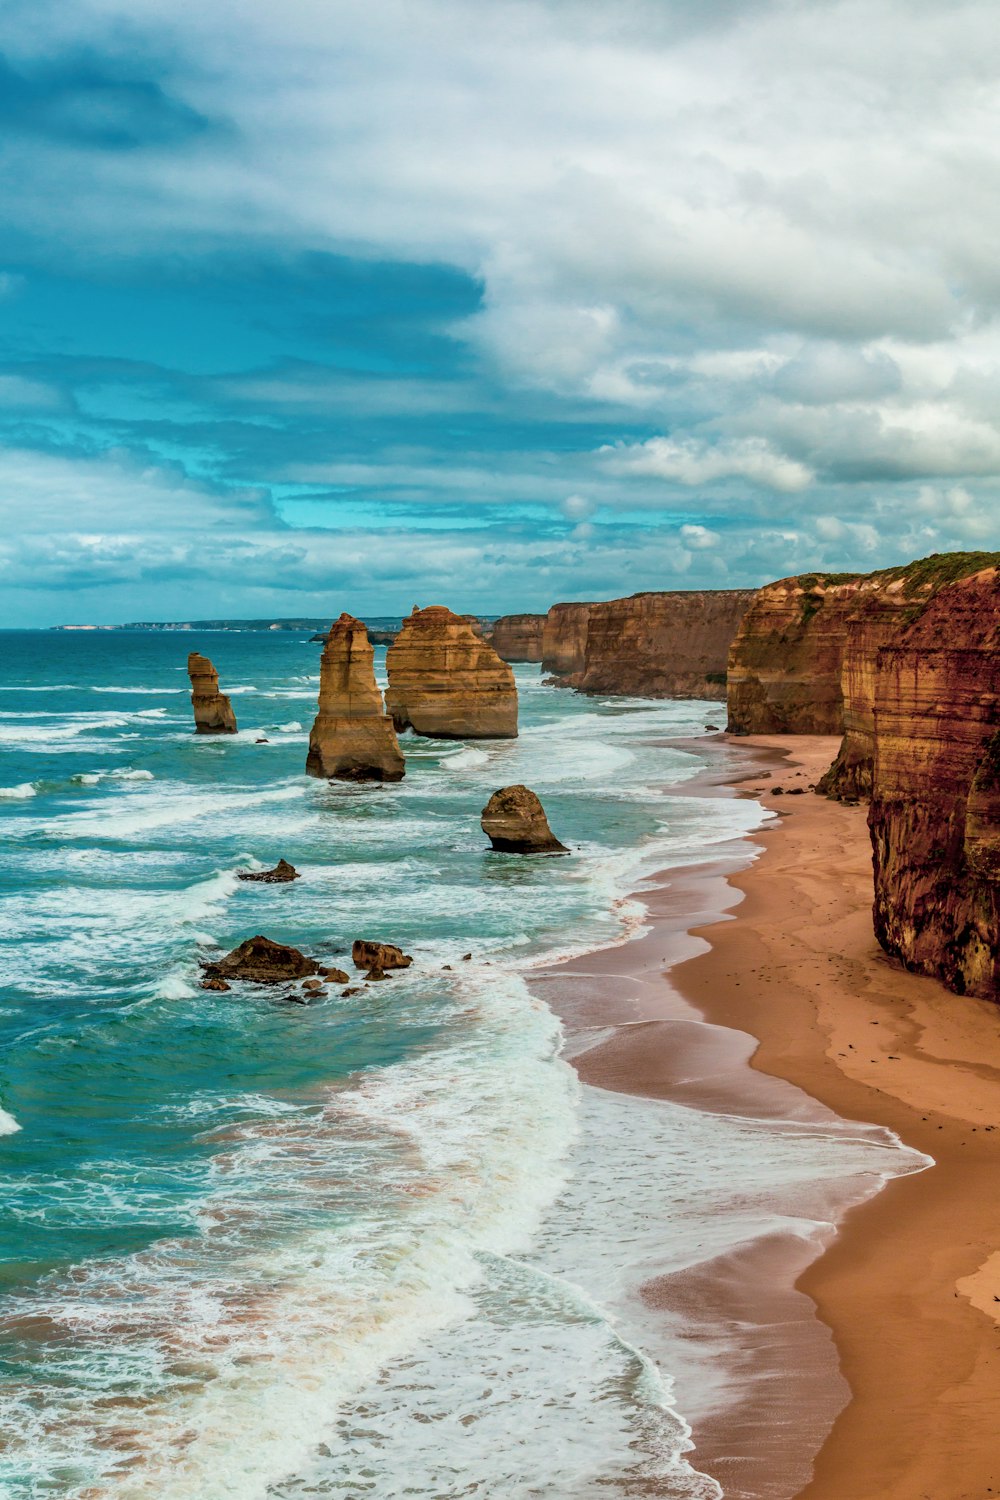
<point>787,657</point>
<point>935,809</point>
<point>446,682</point>
<point>352,738</point>
<point>518,637</point>
<point>564,640</point>
<point>213,712</point>
<point>662,645</point>
<point>515,823</point>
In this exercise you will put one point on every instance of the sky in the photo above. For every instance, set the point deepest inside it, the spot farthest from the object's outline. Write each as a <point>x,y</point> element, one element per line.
<point>371,303</point>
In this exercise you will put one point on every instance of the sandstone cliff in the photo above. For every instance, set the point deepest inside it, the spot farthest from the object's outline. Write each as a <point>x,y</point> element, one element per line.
<point>352,738</point>
<point>213,712</point>
<point>935,810</point>
<point>446,682</point>
<point>564,639</point>
<point>662,645</point>
<point>518,637</point>
<point>787,659</point>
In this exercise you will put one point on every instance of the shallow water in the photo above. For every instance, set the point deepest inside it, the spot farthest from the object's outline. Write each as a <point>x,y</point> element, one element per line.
<point>382,1245</point>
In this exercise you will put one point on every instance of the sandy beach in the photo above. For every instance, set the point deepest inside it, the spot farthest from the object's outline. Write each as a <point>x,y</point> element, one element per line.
<point>871,1370</point>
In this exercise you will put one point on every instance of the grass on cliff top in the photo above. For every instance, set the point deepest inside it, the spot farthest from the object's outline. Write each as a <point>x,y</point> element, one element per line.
<point>933,572</point>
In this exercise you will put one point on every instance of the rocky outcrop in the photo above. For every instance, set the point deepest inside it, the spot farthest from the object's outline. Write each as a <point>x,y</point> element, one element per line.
<point>446,682</point>
<point>515,823</point>
<point>518,637</point>
<point>564,640</point>
<point>281,873</point>
<point>369,954</point>
<point>662,645</point>
<point>261,961</point>
<point>935,809</point>
<point>213,712</point>
<point>352,738</point>
<point>787,658</point>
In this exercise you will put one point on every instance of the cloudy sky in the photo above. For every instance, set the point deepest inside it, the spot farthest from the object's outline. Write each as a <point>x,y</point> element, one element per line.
<point>368,303</point>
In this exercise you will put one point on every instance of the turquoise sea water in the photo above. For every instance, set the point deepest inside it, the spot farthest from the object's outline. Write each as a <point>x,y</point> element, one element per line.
<point>379,1245</point>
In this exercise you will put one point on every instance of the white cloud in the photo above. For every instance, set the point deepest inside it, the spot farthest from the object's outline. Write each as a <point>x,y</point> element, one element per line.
<point>699,538</point>
<point>691,461</point>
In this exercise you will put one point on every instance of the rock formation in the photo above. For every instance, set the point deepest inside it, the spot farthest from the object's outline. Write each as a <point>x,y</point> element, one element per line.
<point>369,954</point>
<point>213,712</point>
<point>662,645</point>
<point>281,873</point>
<point>515,823</point>
<point>564,640</point>
<point>786,660</point>
<point>935,810</point>
<point>518,637</point>
<point>261,961</point>
<point>446,682</point>
<point>352,738</point>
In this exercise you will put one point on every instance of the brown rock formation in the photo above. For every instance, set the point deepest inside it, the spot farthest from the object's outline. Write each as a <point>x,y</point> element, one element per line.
<point>281,873</point>
<point>446,682</point>
<point>518,637</point>
<point>352,738</point>
<point>662,645</point>
<point>786,661</point>
<point>368,954</point>
<point>935,810</point>
<point>213,712</point>
<point>564,640</point>
<point>515,823</point>
<point>262,961</point>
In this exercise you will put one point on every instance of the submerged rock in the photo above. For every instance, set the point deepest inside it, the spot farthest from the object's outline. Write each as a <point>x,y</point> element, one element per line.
<point>515,823</point>
<point>213,712</point>
<point>375,973</point>
<point>215,984</point>
<point>336,976</point>
<point>352,738</point>
<point>446,682</point>
<point>261,961</point>
<point>281,873</point>
<point>372,955</point>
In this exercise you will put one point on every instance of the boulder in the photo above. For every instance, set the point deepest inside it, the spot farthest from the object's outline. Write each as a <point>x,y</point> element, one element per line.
<point>373,955</point>
<point>213,712</point>
<point>447,682</point>
<point>336,976</point>
<point>215,984</point>
<point>376,973</point>
<point>352,738</point>
<point>262,961</point>
<point>281,873</point>
<point>515,822</point>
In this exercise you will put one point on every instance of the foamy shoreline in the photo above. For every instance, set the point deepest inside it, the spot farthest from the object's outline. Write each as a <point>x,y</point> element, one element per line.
<point>755,1374</point>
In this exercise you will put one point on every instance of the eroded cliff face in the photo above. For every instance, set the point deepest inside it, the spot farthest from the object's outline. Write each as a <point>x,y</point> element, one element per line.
<point>213,712</point>
<point>662,645</point>
<point>352,738</point>
<point>564,640</point>
<point>935,809</point>
<point>445,681</point>
<point>518,637</point>
<point>787,658</point>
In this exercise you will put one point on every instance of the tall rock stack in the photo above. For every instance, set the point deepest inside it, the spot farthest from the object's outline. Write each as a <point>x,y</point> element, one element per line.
<point>446,682</point>
<point>352,738</point>
<point>213,712</point>
<point>935,810</point>
<point>518,637</point>
<point>564,640</point>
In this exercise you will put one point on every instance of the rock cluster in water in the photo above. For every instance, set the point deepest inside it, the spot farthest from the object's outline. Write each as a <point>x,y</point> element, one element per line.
<point>445,681</point>
<point>213,712</point>
<point>261,961</point>
<point>515,823</point>
<point>352,738</point>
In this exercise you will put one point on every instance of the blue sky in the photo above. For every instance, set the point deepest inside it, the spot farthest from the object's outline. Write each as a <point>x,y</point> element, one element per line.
<point>330,306</point>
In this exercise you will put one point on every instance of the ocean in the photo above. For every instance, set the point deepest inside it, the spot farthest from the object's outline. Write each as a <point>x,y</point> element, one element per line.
<point>383,1245</point>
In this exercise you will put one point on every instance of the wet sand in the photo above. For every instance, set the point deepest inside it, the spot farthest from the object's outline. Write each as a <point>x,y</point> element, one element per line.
<point>873,1371</point>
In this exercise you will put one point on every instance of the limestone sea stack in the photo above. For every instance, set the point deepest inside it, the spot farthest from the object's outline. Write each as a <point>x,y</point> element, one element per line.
<point>352,738</point>
<point>515,823</point>
<point>518,637</point>
<point>213,712</point>
<point>448,683</point>
<point>564,640</point>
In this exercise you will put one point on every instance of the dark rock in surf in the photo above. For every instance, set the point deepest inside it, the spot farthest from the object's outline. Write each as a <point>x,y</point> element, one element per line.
<point>261,961</point>
<point>281,873</point>
<point>372,955</point>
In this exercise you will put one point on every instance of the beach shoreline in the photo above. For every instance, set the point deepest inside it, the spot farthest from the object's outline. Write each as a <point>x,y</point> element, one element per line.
<point>759,970</point>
